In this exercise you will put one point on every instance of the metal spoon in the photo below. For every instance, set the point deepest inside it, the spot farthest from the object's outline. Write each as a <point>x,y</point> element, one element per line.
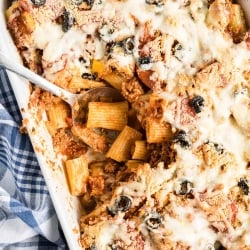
<point>76,101</point>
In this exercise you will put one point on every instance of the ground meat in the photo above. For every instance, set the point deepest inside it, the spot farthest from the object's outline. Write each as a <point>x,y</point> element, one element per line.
<point>111,166</point>
<point>161,152</point>
<point>43,99</point>
<point>157,105</point>
<point>64,142</point>
<point>96,185</point>
<point>126,176</point>
<point>131,90</point>
<point>98,142</point>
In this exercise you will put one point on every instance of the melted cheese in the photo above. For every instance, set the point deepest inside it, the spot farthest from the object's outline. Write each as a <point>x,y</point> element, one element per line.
<point>190,232</point>
<point>106,235</point>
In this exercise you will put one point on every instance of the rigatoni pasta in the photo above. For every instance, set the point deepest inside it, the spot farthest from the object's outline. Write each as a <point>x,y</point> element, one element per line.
<point>91,137</point>
<point>237,23</point>
<point>140,151</point>
<point>105,72</point>
<point>107,115</point>
<point>78,82</point>
<point>77,173</point>
<point>157,132</point>
<point>120,149</point>
<point>58,114</point>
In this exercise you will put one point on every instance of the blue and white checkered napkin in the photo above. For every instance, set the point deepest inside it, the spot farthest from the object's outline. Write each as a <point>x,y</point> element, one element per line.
<point>27,216</point>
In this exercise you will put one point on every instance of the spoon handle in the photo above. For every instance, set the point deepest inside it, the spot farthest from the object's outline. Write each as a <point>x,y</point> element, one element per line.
<point>35,78</point>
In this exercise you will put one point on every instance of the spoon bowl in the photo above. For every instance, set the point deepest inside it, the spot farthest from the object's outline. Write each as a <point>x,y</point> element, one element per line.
<point>76,101</point>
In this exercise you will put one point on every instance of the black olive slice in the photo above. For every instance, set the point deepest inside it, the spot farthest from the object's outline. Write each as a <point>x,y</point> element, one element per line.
<point>68,20</point>
<point>89,76</point>
<point>155,2</point>
<point>144,60</point>
<point>184,187</point>
<point>218,246</point>
<point>122,204</point>
<point>219,148</point>
<point>93,247</point>
<point>77,2</point>
<point>177,50</point>
<point>113,247</point>
<point>243,185</point>
<point>153,221</point>
<point>105,32</point>
<point>84,4</point>
<point>38,2</point>
<point>197,103</point>
<point>181,138</point>
<point>125,46</point>
<point>129,45</point>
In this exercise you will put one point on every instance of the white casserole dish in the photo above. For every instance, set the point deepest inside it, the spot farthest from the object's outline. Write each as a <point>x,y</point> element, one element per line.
<point>67,206</point>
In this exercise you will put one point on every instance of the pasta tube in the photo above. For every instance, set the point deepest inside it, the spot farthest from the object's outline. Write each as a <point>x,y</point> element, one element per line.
<point>237,23</point>
<point>121,148</point>
<point>140,151</point>
<point>96,168</point>
<point>133,164</point>
<point>107,115</point>
<point>77,82</point>
<point>113,78</point>
<point>93,139</point>
<point>157,132</point>
<point>58,115</point>
<point>77,173</point>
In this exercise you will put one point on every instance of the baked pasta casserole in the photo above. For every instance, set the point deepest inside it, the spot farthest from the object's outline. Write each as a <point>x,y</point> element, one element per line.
<point>168,165</point>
